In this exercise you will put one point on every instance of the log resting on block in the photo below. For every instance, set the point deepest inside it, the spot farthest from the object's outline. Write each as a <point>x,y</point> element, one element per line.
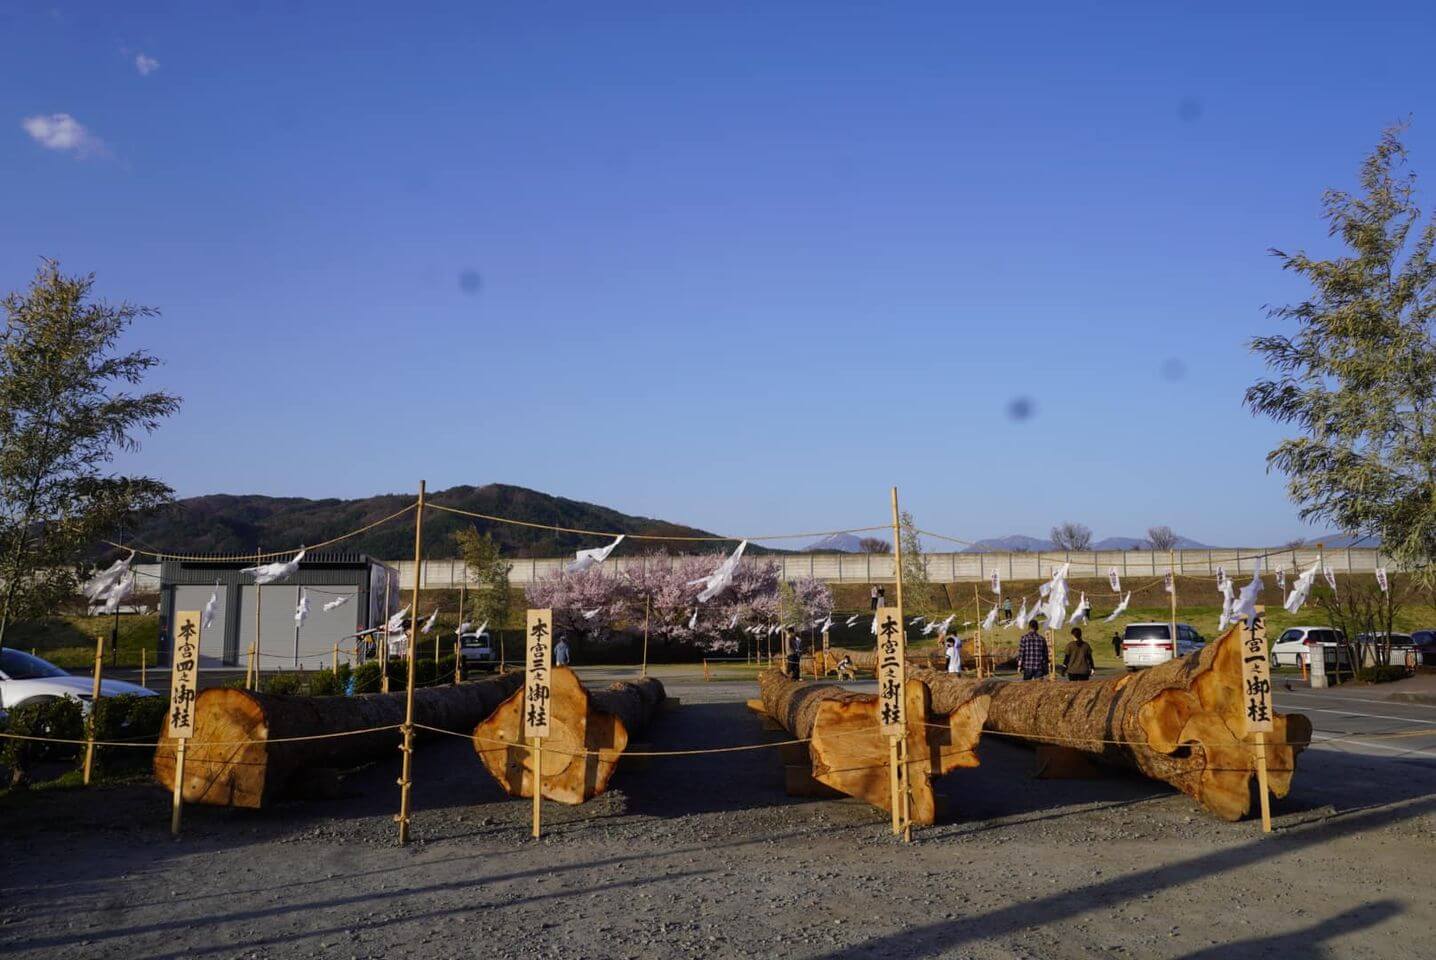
<point>1182,722</point>
<point>864,660</point>
<point>589,730</point>
<point>848,751</point>
<point>222,772</point>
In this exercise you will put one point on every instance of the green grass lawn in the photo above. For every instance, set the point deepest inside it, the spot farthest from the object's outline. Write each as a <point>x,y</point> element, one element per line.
<point>69,642</point>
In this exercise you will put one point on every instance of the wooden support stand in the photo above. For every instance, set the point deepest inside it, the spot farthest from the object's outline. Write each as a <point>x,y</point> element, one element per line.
<point>94,703</point>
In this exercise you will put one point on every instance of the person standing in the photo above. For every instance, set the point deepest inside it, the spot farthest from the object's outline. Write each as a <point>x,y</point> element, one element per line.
<point>560,653</point>
<point>882,597</point>
<point>1007,609</point>
<point>1032,653</point>
<point>1117,644</point>
<point>874,596</point>
<point>1077,658</point>
<point>954,655</point>
<point>795,654</point>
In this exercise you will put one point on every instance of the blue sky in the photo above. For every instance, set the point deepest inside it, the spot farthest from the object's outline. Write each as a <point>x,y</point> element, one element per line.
<point>742,267</point>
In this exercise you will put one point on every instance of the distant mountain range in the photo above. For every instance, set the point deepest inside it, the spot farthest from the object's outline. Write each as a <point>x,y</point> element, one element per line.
<point>226,523</point>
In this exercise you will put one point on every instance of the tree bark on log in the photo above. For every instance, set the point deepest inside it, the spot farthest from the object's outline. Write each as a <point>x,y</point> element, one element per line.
<point>1182,722</point>
<point>222,772</point>
<point>866,660</point>
<point>848,750</point>
<point>589,730</point>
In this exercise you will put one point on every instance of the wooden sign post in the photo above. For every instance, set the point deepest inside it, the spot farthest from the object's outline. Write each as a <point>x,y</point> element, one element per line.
<point>826,648</point>
<point>184,687</point>
<point>538,670</point>
<point>892,684</point>
<point>1256,690</point>
<point>94,701</point>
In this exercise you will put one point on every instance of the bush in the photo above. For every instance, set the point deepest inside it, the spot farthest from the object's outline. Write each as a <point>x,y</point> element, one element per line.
<point>1381,674</point>
<point>309,683</point>
<point>59,719</point>
<point>127,718</point>
<point>366,677</point>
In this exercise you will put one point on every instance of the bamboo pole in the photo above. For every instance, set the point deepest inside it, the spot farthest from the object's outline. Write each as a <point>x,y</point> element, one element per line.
<point>977,637</point>
<point>94,702</point>
<point>249,667</point>
<point>898,751</point>
<point>647,604</point>
<point>405,776</point>
<point>142,666</point>
<point>458,660</point>
<point>258,645</point>
<point>1172,566</point>
<point>383,645</point>
<point>336,658</point>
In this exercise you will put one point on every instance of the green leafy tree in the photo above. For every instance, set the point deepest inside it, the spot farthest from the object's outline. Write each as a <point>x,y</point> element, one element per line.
<point>920,596</point>
<point>64,414</point>
<point>1358,376</point>
<point>488,571</point>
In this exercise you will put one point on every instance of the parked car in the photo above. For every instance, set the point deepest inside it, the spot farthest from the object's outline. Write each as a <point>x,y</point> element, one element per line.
<point>1402,652</point>
<point>1425,643</point>
<point>476,652</point>
<point>28,679</point>
<point>1150,644</point>
<point>1293,647</point>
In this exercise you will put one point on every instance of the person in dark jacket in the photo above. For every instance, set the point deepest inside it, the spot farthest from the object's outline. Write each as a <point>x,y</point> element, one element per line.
<point>1032,653</point>
<point>795,655</point>
<point>1117,645</point>
<point>1077,658</point>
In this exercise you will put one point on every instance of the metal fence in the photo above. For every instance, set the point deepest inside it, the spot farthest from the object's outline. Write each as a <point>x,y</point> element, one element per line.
<point>959,567</point>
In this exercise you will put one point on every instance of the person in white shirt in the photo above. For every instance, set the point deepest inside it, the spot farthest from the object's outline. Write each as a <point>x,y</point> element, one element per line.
<point>954,655</point>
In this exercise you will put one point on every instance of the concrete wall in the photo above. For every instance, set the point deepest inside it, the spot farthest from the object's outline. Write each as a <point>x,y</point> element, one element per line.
<point>958,567</point>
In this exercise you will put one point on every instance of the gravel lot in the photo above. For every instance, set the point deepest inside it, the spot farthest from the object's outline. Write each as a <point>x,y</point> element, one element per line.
<point>705,856</point>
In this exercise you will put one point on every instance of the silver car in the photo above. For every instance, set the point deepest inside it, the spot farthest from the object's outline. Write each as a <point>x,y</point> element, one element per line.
<point>28,679</point>
<point>1150,644</point>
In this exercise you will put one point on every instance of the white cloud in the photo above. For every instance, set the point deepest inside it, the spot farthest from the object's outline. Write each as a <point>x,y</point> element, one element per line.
<point>146,65</point>
<point>60,131</point>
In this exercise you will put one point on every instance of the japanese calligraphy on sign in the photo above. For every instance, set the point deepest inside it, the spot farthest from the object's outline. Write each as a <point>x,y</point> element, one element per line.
<point>1256,675</point>
<point>1381,578</point>
<point>184,679</point>
<point>1167,583</point>
<point>996,582</point>
<point>1114,580</point>
<point>892,653</point>
<point>538,670</point>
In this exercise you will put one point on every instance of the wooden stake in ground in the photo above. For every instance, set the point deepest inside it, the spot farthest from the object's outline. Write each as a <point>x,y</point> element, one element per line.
<point>94,701</point>
<point>1257,704</point>
<point>184,686</point>
<point>589,730</point>
<point>258,621</point>
<point>538,694</point>
<point>142,666</point>
<point>406,774</point>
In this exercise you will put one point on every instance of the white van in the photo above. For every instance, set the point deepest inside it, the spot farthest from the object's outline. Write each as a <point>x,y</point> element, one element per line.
<point>1293,647</point>
<point>1150,644</point>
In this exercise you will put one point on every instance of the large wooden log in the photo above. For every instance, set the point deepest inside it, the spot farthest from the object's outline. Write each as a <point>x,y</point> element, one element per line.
<point>1183,723</point>
<point>848,751</point>
<point>589,730</point>
<point>233,758</point>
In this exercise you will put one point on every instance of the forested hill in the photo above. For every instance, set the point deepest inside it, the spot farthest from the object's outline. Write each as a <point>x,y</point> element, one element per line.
<point>225,523</point>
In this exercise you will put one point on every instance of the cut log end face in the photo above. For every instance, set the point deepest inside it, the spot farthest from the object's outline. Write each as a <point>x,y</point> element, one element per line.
<point>587,735</point>
<point>221,768</point>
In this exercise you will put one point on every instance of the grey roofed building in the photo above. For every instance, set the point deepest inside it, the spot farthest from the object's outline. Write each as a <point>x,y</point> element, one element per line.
<point>187,584</point>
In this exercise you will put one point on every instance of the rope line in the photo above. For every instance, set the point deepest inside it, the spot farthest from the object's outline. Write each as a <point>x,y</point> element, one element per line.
<point>269,554</point>
<point>650,536</point>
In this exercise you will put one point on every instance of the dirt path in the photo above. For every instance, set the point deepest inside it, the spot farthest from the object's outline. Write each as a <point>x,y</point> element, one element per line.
<point>704,857</point>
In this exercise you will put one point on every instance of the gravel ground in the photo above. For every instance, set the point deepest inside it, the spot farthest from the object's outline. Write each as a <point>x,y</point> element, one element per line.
<point>706,857</point>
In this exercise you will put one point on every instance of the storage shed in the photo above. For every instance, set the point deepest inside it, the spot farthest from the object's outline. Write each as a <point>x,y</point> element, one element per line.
<point>264,615</point>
